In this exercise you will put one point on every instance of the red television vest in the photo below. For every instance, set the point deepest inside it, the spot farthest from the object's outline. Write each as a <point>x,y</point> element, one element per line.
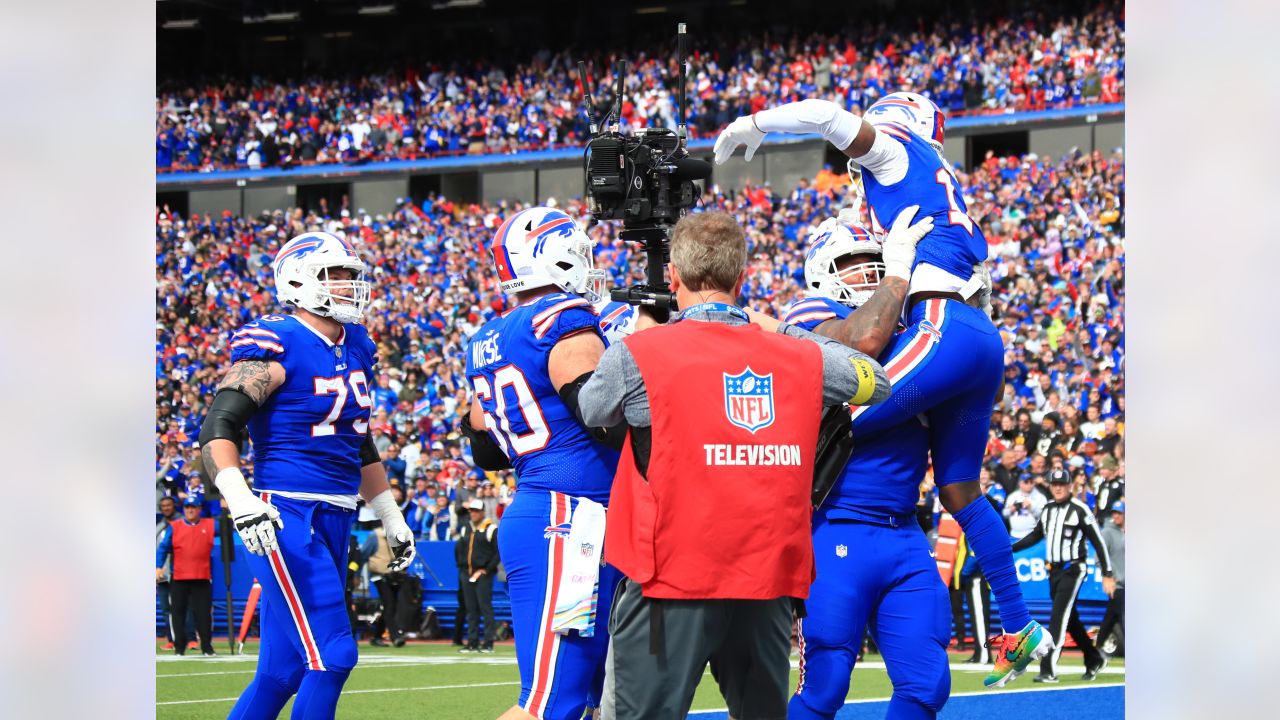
<point>192,549</point>
<point>724,511</point>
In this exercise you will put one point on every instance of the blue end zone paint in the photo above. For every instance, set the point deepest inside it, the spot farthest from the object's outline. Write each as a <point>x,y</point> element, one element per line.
<point>1077,703</point>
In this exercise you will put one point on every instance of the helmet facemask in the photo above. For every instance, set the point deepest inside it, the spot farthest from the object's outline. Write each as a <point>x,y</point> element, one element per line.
<point>342,300</point>
<point>855,284</point>
<point>580,275</point>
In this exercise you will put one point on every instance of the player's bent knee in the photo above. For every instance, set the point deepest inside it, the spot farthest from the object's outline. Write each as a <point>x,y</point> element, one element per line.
<point>928,692</point>
<point>340,654</point>
<point>809,705</point>
<point>284,680</point>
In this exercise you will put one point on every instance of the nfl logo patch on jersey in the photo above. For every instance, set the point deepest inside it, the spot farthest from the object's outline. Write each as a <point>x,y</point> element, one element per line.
<point>748,399</point>
<point>842,550</point>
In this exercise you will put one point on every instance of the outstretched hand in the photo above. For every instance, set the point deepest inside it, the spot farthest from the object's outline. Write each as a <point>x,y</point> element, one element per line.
<point>767,323</point>
<point>742,131</point>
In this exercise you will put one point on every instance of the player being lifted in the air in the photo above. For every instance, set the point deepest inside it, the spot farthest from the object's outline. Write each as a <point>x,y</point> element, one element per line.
<point>300,383</point>
<point>949,364</point>
<point>524,369</point>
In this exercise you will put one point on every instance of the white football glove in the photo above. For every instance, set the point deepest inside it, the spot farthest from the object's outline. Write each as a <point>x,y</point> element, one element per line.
<point>399,536</point>
<point>847,216</point>
<point>827,225</point>
<point>742,131</point>
<point>900,244</point>
<point>255,520</point>
<point>983,297</point>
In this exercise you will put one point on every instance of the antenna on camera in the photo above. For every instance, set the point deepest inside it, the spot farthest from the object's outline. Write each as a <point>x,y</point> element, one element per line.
<point>682,56</point>
<point>617,97</point>
<point>587,99</point>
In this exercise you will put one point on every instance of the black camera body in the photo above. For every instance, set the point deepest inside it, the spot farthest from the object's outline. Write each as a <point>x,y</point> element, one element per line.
<point>646,180</point>
<point>642,180</point>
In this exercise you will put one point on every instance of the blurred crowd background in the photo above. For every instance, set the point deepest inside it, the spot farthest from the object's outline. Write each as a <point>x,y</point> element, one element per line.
<point>969,62</point>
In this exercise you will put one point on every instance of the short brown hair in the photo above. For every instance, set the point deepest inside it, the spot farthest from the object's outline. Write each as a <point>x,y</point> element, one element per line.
<point>710,251</point>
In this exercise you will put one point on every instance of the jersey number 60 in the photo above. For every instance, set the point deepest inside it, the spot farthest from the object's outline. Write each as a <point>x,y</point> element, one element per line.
<point>499,422</point>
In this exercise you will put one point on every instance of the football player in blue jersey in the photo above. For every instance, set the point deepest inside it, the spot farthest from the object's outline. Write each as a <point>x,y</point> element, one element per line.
<point>874,565</point>
<point>300,384</point>
<point>949,363</point>
<point>524,369</point>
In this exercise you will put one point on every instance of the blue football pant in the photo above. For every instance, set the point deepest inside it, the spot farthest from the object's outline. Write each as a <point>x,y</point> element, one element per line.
<point>560,674</point>
<point>884,577</point>
<point>307,647</point>
<point>947,365</point>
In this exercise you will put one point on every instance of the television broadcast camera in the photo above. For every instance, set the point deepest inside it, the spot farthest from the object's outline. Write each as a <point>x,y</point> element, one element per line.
<point>646,180</point>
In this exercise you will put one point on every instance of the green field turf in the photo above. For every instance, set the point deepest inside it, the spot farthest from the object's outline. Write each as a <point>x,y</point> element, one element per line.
<point>433,680</point>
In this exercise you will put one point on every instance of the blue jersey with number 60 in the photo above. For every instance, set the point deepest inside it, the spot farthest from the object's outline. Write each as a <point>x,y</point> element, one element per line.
<point>507,368</point>
<point>308,433</point>
<point>956,242</point>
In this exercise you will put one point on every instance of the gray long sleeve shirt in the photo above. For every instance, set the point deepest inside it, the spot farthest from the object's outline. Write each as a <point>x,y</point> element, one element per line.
<point>616,392</point>
<point>1113,538</point>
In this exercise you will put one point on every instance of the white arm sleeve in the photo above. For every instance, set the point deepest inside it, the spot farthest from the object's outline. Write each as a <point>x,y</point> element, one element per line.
<point>837,125</point>
<point>886,160</point>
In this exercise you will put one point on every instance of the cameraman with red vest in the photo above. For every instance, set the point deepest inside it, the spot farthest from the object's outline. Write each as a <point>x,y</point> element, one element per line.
<point>709,512</point>
<point>190,541</point>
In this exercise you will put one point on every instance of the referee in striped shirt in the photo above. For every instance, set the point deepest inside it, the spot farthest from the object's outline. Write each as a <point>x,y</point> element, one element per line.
<point>1066,522</point>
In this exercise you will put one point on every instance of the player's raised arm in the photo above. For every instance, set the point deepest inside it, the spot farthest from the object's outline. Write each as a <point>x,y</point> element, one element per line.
<point>836,125</point>
<point>246,386</point>
<point>874,141</point>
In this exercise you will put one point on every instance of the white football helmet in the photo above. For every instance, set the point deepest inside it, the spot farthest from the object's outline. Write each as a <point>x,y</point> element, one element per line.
<point>302,277</point>
<point>912,110</point>
<point>823,277</point>
<point>543,246</point>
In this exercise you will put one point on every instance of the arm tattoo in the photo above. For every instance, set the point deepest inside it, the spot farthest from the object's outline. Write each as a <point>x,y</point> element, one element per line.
<point>251,377</point>
<point>869,328</point>
<point>210,465</point>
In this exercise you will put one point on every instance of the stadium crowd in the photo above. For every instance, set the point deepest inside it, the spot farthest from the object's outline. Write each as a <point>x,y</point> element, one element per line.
<point>1056,233</point>
<point>1025,62</point>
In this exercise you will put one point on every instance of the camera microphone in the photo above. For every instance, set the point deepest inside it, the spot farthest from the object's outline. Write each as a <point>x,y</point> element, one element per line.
<point>689,169</point>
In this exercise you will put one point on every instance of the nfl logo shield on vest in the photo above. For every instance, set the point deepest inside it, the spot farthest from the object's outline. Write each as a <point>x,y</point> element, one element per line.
<point>748,399</point>
<point>842,550</point>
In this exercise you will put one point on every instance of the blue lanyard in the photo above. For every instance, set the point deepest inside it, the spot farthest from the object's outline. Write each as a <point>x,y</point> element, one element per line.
<point>711,307</point>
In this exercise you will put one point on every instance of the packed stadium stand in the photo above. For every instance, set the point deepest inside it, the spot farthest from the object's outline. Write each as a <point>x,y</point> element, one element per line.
<point>1054,222</point>
<point>988,63</point>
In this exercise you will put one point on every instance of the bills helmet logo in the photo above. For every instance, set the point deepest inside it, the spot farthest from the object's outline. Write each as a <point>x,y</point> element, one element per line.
<point>748,399</point>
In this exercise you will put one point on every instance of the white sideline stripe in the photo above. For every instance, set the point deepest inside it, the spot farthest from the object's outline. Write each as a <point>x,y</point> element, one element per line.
<point>370,662</point>
<point>367,663</point>
<point>357,692</point>
<point>254,670</point>
<point>953,695</point>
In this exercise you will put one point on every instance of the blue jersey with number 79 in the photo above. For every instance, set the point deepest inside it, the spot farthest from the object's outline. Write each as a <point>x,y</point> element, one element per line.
<point>307,434</point>
<point>507,367</point>
<point>956,242</point>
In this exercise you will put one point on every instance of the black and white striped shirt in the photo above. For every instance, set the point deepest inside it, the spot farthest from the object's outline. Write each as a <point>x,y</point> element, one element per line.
<point>1064,526</point>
